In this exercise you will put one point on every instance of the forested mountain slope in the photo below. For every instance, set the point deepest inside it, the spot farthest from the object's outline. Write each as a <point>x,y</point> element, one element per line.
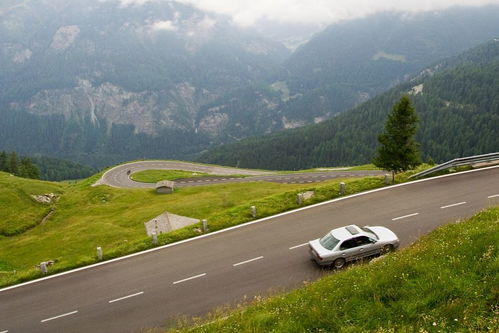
<point>82,79</point>
<point>457,101</point>
<point>349,63</point>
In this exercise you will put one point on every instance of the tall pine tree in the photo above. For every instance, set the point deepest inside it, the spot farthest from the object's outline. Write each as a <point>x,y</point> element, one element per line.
<point>399,149</point>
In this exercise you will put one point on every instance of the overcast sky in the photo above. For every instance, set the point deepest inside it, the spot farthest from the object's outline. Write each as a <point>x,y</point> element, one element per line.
<point>248,12</point>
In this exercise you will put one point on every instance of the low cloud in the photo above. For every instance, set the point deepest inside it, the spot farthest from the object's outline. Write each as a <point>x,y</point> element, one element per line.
<point>164,26</point>
<point>247,13</point>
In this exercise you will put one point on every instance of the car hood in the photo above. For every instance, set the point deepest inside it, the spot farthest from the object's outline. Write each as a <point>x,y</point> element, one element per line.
<point>384,234</point>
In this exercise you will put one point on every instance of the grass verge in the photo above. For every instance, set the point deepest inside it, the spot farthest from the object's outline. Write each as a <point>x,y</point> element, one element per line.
<point>154,176</point>
<point>446,282</point>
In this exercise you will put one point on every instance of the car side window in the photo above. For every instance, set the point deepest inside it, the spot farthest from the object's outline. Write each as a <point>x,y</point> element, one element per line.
<point>362,240</point>
<point>354,242</point>
<point>348,244</point>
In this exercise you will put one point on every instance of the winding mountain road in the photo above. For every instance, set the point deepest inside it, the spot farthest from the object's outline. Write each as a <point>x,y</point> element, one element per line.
<point>154,288</point>
<point>119,175</point>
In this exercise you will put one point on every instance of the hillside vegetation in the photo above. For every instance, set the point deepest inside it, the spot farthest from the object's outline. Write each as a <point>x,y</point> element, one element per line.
<point>446,282</point>
<point>18,210</point>
<point>457,101</point>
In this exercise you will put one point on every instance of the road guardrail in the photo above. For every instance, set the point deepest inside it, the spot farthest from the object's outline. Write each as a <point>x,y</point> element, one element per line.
<point>459,162</point>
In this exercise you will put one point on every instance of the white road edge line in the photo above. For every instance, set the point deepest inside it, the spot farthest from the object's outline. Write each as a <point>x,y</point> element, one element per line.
<point>4,331</point>
<point>297,246</point>
<point>189,278</point>
<point>493,196</point>
<point>454,205</point>
<point>125,297</point>
<point>248,261</point>
<point>404,217</point>
<point>59,316</point>
<point>244,225</point>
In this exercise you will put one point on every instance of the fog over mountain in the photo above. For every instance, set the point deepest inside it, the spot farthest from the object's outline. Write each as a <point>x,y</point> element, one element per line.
<point>315,12</point>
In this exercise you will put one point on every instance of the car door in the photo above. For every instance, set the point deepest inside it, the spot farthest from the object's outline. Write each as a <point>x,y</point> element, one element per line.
<point>349,249</point>
<point>357,247</point>
<point>368,247</point>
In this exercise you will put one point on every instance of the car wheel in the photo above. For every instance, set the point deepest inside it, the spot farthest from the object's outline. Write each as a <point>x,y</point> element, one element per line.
<point>339,263</point>
<point>386,249</point>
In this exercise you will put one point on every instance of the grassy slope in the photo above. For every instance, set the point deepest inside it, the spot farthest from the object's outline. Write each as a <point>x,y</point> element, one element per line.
<point>18,210</point>
<point>446,282</point>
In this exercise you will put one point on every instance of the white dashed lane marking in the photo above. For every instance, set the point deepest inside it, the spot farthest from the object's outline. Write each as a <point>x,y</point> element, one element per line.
<point>297,246</point>
<point>190,278</point>
<point>453,205</point>
<point>59,316</point>
<point>248,261</point>
<point>404,217</point>
<point>493,196</point>
<point>125,297</point>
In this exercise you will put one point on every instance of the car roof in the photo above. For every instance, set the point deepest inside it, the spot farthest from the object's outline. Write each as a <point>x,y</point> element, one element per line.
<point>346,232</point>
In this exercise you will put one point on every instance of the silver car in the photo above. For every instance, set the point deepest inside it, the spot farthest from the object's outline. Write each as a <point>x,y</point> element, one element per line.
<point>352,243</point>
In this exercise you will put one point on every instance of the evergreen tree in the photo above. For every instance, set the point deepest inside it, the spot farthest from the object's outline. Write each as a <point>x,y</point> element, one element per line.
<point>399,149</point>
<point>13,163</point>
<point>28,170</point>
<point>3,161</point>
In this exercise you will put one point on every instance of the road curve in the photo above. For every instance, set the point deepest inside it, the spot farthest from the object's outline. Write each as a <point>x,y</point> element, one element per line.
<point>192,277</point>
<point>119,175</point>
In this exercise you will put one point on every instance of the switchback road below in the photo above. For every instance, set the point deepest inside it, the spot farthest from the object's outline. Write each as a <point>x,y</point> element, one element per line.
<point>119,176</point>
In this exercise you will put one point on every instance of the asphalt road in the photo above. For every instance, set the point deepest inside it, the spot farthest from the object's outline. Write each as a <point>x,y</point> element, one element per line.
<point>119,177</point>
<point>195,276</point>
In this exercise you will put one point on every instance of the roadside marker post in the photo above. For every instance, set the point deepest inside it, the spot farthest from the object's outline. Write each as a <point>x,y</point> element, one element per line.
<point>154,238</point>
<point>299,199</point>
<point>387,179</point>
<point>205,225</point>
<point>99,253</point>
<point>342,188</point>
<point>43,267</point>
<point>253,211</point>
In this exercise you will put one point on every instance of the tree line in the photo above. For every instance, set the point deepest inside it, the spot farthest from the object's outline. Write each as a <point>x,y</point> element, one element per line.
<point>18,166</point>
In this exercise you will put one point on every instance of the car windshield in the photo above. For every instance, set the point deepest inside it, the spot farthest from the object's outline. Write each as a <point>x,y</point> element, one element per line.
<point>370,232</point>
<point>329,242</point>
